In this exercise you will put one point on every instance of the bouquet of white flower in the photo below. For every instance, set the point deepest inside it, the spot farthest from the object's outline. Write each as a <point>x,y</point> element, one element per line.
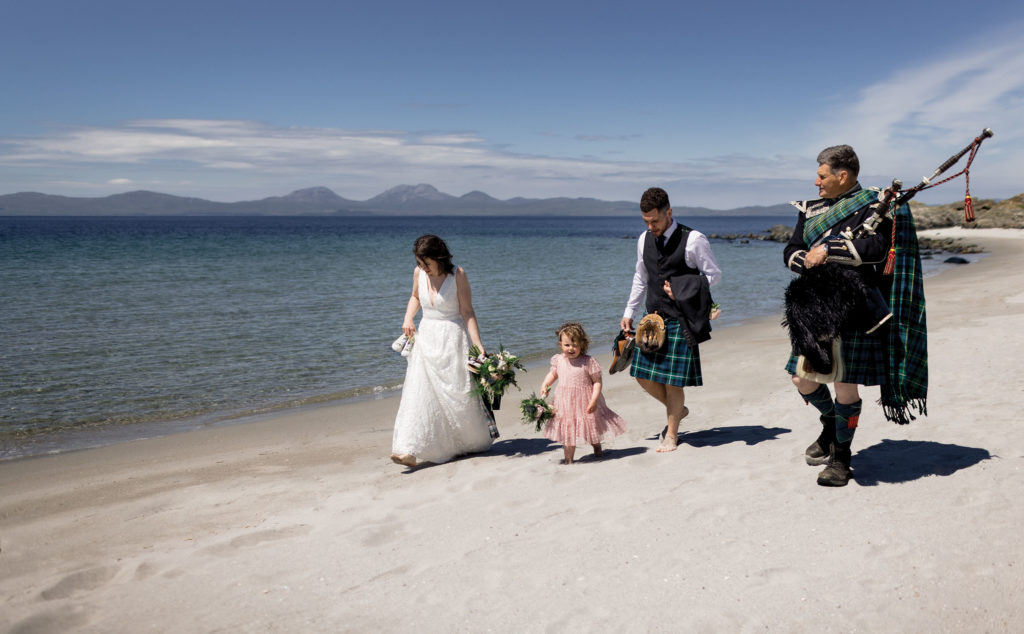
<point>536,410</point>
<point>493,374</point>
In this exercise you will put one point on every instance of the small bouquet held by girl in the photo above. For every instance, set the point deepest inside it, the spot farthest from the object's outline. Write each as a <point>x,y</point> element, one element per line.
<point>536,410</point>
<point>580,410</point>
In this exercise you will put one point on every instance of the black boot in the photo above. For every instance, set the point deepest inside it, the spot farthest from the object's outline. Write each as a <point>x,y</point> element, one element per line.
<point>818,451</point>
<point>837,473</point>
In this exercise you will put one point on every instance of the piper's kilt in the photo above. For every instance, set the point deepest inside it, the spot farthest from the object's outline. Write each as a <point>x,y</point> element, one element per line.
<point>864,359</point>
<point>674,364</point>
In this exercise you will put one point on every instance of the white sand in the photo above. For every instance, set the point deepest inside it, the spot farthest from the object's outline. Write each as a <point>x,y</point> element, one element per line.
<point>300,522</point>
<point>970,234</point>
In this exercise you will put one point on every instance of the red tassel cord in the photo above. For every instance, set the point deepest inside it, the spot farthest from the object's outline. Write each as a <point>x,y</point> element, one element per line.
<point>966,171</point>
<point>890,259</point>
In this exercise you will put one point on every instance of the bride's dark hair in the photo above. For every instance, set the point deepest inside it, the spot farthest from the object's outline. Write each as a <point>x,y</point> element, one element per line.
<point>433,247</point>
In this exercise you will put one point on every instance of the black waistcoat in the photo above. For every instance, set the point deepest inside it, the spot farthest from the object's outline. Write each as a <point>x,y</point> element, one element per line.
<point>662,264</point>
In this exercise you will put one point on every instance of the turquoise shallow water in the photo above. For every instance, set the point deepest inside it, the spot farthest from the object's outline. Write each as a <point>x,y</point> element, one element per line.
<point>115,325</point>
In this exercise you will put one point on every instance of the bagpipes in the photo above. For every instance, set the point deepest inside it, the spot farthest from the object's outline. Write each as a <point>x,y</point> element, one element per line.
<point>831,298</point>
<point>892,199</point>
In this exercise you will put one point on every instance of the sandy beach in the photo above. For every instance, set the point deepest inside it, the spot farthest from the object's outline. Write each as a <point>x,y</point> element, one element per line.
<point>299,522</point>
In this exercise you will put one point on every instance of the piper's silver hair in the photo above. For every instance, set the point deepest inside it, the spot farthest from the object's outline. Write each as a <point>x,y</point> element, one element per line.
<point>840,157</point>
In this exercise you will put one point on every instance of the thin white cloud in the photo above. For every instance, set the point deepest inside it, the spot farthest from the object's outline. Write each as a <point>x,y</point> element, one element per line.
<point>919,116</point>
<point>902,125</point>
<point>451,139</point>
<point>324,152</point>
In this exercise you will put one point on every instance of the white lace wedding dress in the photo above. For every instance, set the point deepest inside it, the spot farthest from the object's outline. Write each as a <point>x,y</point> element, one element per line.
<point>438,418</point>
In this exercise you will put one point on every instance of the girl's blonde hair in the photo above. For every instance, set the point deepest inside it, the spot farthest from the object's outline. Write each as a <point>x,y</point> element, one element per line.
<point>574,330</point>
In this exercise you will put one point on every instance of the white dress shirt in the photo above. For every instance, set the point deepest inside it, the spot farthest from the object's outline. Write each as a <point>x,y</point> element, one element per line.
<point>698,255</point>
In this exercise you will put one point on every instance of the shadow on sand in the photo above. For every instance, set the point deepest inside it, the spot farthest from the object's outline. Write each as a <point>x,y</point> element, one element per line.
<point>507,448</point>
<point>896,461</point>
<point>609,454</point>
<point>537,446</point>
<point>718,436</point>
<point>520,447</point>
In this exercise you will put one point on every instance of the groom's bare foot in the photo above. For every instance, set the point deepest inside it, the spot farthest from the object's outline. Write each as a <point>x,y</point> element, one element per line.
<point>670,442</point>
<point>406,459</point>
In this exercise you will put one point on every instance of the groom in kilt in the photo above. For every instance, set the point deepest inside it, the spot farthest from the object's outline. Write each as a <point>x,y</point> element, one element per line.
<point>674,271</point>
<point>856,313</point>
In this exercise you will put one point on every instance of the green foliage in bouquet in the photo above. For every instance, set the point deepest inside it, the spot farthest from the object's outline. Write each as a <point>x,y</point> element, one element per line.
<point>493,374</point>
<point>536,410</point>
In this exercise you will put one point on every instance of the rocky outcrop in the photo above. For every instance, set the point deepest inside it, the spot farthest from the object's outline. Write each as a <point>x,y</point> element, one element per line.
<point>1004,214</point>
<point>778,233</point>
<point>781,233</point>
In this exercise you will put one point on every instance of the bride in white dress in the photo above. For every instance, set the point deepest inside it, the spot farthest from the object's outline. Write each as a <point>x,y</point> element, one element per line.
<point>438,417</point>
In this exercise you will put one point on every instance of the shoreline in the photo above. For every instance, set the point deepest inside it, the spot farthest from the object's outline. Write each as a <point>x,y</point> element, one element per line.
<point>53,441</point>
<point>113,435</point>
<point>299,521</point>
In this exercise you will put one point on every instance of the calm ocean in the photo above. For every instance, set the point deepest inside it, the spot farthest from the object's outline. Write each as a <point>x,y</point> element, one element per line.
<point>116,328</point>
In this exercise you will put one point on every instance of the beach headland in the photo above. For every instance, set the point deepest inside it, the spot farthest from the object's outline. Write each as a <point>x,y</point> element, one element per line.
<point>298,521</point>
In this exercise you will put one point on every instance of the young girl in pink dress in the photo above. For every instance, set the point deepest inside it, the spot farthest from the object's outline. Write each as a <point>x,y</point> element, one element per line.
<point>580,410</point>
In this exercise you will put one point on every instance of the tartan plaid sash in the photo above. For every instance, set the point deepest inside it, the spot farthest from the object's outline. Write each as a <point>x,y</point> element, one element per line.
<point>816,227</point>
<point>907,361</point>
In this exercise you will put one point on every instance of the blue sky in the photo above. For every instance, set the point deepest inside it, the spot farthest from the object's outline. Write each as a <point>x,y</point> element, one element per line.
<point>723,104</point>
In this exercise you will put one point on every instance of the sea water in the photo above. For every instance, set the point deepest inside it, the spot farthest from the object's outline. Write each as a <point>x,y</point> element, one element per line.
<point>114,328</point>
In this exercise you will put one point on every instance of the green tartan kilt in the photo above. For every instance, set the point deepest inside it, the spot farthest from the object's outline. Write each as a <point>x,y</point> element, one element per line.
<point>864,359</point>
<point>674,364</point>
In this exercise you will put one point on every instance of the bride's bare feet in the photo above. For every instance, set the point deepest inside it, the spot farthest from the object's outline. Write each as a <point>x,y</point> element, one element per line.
<point>406,459</point>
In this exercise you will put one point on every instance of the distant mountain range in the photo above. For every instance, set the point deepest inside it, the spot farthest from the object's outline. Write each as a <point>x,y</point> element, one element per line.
<point>402,200</point>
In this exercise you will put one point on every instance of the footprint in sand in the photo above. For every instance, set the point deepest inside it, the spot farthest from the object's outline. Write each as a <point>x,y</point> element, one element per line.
<point>258,537</point>
<point>81,581</point>
<point>390,530</point>
<point>145,570</point>
<point>270,535</point>
<point>61,620</point>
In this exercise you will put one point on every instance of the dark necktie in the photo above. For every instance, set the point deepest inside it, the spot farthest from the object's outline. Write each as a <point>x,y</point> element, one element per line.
<point>660,241</point>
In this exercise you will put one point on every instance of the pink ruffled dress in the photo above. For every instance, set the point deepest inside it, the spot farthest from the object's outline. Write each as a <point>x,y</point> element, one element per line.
<point>572,394</point>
